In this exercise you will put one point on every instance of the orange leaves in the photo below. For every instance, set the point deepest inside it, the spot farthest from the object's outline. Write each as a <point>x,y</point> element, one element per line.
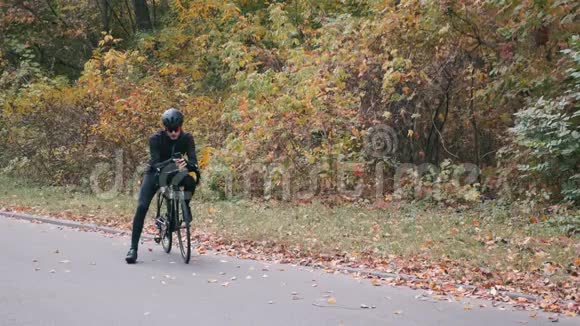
<point>205,156</point>
<point>376,282</point>
<point>243,106</point>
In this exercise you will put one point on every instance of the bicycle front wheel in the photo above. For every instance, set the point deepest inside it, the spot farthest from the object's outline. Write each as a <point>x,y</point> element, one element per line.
<point>184,233</point>
<point>163,217</point>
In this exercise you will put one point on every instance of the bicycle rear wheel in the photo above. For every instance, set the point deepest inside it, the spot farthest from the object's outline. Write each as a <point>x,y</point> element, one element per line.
<point>183,232</point>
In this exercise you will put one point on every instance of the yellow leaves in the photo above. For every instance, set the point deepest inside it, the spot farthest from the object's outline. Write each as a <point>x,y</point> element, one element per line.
<point>331,300</point>
<point>169,69</point>
<point>489,237</point>
<point>410,133</point>
<point>444,30</point>
<point>108,39</point>
<point>114,58</point>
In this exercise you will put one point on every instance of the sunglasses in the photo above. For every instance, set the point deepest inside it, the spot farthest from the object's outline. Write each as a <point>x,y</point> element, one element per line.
<point>173,130</point>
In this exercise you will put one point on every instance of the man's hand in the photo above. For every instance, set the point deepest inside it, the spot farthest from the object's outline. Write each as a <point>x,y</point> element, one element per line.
<point>181,164</point>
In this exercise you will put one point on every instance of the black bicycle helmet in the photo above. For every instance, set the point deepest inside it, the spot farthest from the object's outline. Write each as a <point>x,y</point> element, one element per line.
<point>172,118</point>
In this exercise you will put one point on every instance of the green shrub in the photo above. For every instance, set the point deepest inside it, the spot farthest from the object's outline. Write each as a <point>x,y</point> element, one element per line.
<point>548,133</point>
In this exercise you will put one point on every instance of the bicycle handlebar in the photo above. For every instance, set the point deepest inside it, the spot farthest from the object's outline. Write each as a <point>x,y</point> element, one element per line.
<point>159,166</point>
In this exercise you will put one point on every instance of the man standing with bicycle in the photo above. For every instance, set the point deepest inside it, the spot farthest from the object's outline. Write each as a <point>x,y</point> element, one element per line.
<point>163,145</point>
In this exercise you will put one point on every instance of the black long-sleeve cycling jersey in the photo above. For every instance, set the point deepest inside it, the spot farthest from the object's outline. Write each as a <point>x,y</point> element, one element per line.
<point>162,148</point>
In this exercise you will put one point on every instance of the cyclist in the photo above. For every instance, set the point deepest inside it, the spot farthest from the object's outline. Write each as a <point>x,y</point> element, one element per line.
<point>163,145</point>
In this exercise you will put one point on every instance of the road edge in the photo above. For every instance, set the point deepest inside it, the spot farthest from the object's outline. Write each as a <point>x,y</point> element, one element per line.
<point>69,223</point>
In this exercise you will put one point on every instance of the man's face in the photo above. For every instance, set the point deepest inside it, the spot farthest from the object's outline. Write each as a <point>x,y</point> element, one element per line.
<point>173,133</point>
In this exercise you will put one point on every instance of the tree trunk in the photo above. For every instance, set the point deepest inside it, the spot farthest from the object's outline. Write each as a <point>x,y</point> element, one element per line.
<point>105,15</point>
<point>474,123</point>
<point>142,15</point>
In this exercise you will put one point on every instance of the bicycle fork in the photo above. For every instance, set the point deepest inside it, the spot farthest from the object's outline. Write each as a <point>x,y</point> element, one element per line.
<point>184,208</point>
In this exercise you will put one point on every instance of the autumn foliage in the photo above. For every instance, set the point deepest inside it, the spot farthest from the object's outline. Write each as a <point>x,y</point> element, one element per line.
<point>289,85</point>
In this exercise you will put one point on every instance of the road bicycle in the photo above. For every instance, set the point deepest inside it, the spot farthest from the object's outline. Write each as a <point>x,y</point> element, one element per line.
<point>172,215</point>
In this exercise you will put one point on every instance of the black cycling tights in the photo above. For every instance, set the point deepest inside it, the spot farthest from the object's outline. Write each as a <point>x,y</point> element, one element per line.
<point>148,189</point>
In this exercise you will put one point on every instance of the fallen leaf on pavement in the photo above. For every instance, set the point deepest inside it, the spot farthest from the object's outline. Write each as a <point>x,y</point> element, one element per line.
<point>331,300</point>
<point>398,312</point>
<point>212,280</point>
<point>521,300</point>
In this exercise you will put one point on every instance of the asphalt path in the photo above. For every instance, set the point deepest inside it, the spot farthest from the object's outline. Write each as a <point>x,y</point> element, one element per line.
<point>54,275</point>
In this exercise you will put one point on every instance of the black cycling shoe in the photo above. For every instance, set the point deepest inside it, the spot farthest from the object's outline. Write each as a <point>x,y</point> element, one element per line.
<point>131,256</point>
<point>157,239</point>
